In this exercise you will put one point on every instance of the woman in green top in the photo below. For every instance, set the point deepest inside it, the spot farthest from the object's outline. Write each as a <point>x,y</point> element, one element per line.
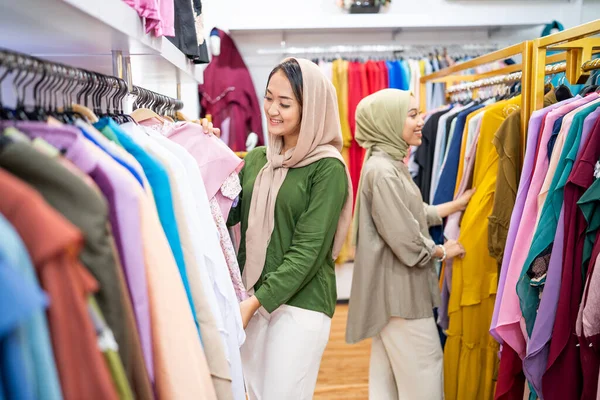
<point>294,209</point>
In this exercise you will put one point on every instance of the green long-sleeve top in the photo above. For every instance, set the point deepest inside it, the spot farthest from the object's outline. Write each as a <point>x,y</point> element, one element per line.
<point>299,269</point>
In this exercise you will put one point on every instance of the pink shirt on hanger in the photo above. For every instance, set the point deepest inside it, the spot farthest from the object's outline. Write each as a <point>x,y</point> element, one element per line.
<point>216,161</point>
<point>166,27</point>
<point>509,315</point>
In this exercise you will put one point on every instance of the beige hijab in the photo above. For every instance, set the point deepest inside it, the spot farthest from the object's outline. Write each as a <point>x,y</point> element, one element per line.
<point>380,120</point>
<point>320,137</point>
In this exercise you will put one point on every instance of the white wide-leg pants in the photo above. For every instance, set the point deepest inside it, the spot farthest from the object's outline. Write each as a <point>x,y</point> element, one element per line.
<point>407,361</point>
<point>282,353</point>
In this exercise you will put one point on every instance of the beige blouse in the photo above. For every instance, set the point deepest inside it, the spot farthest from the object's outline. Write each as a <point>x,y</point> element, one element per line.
<point>394,273</point>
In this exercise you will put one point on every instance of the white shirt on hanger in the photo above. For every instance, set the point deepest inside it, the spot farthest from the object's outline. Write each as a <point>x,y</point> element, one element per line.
<point>185,173</point>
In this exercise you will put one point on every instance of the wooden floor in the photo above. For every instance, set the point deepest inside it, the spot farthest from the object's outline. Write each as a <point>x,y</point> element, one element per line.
<point>344,370</point>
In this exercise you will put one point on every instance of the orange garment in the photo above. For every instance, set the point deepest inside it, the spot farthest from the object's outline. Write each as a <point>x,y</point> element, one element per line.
<point>54,245</point>
<point>180,366</point>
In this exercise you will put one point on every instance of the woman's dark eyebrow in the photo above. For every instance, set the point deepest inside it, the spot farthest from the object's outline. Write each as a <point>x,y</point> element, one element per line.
<point>281,97</point>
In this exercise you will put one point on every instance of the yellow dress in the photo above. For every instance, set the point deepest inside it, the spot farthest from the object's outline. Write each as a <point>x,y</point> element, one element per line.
<point>470,354</point>
<point>340,82</point>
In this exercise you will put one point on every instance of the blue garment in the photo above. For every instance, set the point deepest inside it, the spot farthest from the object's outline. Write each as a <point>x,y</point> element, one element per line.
<point>37,355</point>
<point>447,182</point>
<point>392,83</point>
<point>161,188</point>
<point>405,74</point>
<point>555,132</point>
<point>19,300</point>
<point>113,154</point>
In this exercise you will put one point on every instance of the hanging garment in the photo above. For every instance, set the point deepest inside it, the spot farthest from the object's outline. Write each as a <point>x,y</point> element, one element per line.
<point>588,322</point>
<point>54,253</point>
<point>406,78</point>
<point>563,347</point>
<point>114,184</point>
<point>540,127</point>
<point>470,352</point>
<point>452,228</point>
<point>26,358</point>
<point>340,82</point>
<point>544,234</point>
<point>327,68</point>
<point>185,36</point>
<point>508,143</point>
<point>393,82</point>
<point>215,167</point>
<point>440,141</point>
<point>424,156</point>
<point>59,187</point>
<point>384,75</point>
<point>166,27</point>
<point>189,225</point>
<point>356,92</point>
<point>509,313</point>
<point>161,187</point>
<point>175,359</point>
<point>228,92</point>
<point>203,57</point>
<point>148,9</point>
<point>201,222</point>
<point>511,380</point>
<point>574,265</point>
<point>447,179</point>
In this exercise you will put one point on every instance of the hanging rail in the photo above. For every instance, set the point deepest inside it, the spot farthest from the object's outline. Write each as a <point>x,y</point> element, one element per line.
<point>53,76</point>
<point>481,83</point>
<point>451,74</point>
<point>578,48</point>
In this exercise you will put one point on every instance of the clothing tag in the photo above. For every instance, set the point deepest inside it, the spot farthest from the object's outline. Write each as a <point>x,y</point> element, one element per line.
<point>597,170</point>
<point>106,341</point>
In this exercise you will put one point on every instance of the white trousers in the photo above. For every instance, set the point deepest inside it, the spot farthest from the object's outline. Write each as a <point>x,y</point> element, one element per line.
<point>282,353</point>
<point>407,361</point>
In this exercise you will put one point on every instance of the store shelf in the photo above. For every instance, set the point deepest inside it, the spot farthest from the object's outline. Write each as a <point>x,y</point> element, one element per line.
<point>83,33</point>
<point>388,22</point>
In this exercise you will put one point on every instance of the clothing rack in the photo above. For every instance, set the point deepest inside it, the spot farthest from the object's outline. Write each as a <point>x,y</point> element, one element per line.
<point>577,49</point>
<point>451,74</point>
<point>47,78</point>
<point>481,83</point>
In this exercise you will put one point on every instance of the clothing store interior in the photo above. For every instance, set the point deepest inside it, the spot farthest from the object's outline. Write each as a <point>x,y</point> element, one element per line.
<point>294,200</point>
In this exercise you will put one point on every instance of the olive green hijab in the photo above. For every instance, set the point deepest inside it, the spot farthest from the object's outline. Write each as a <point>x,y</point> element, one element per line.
<point>380,120</point>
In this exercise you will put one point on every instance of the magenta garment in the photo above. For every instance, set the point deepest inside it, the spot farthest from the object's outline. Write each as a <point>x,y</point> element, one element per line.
<point>124,215</point>
<point>228,93</point>
<point>166,27</point>
<point>538,348</point>
<point>216,161</point>
<point>147,9</point>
